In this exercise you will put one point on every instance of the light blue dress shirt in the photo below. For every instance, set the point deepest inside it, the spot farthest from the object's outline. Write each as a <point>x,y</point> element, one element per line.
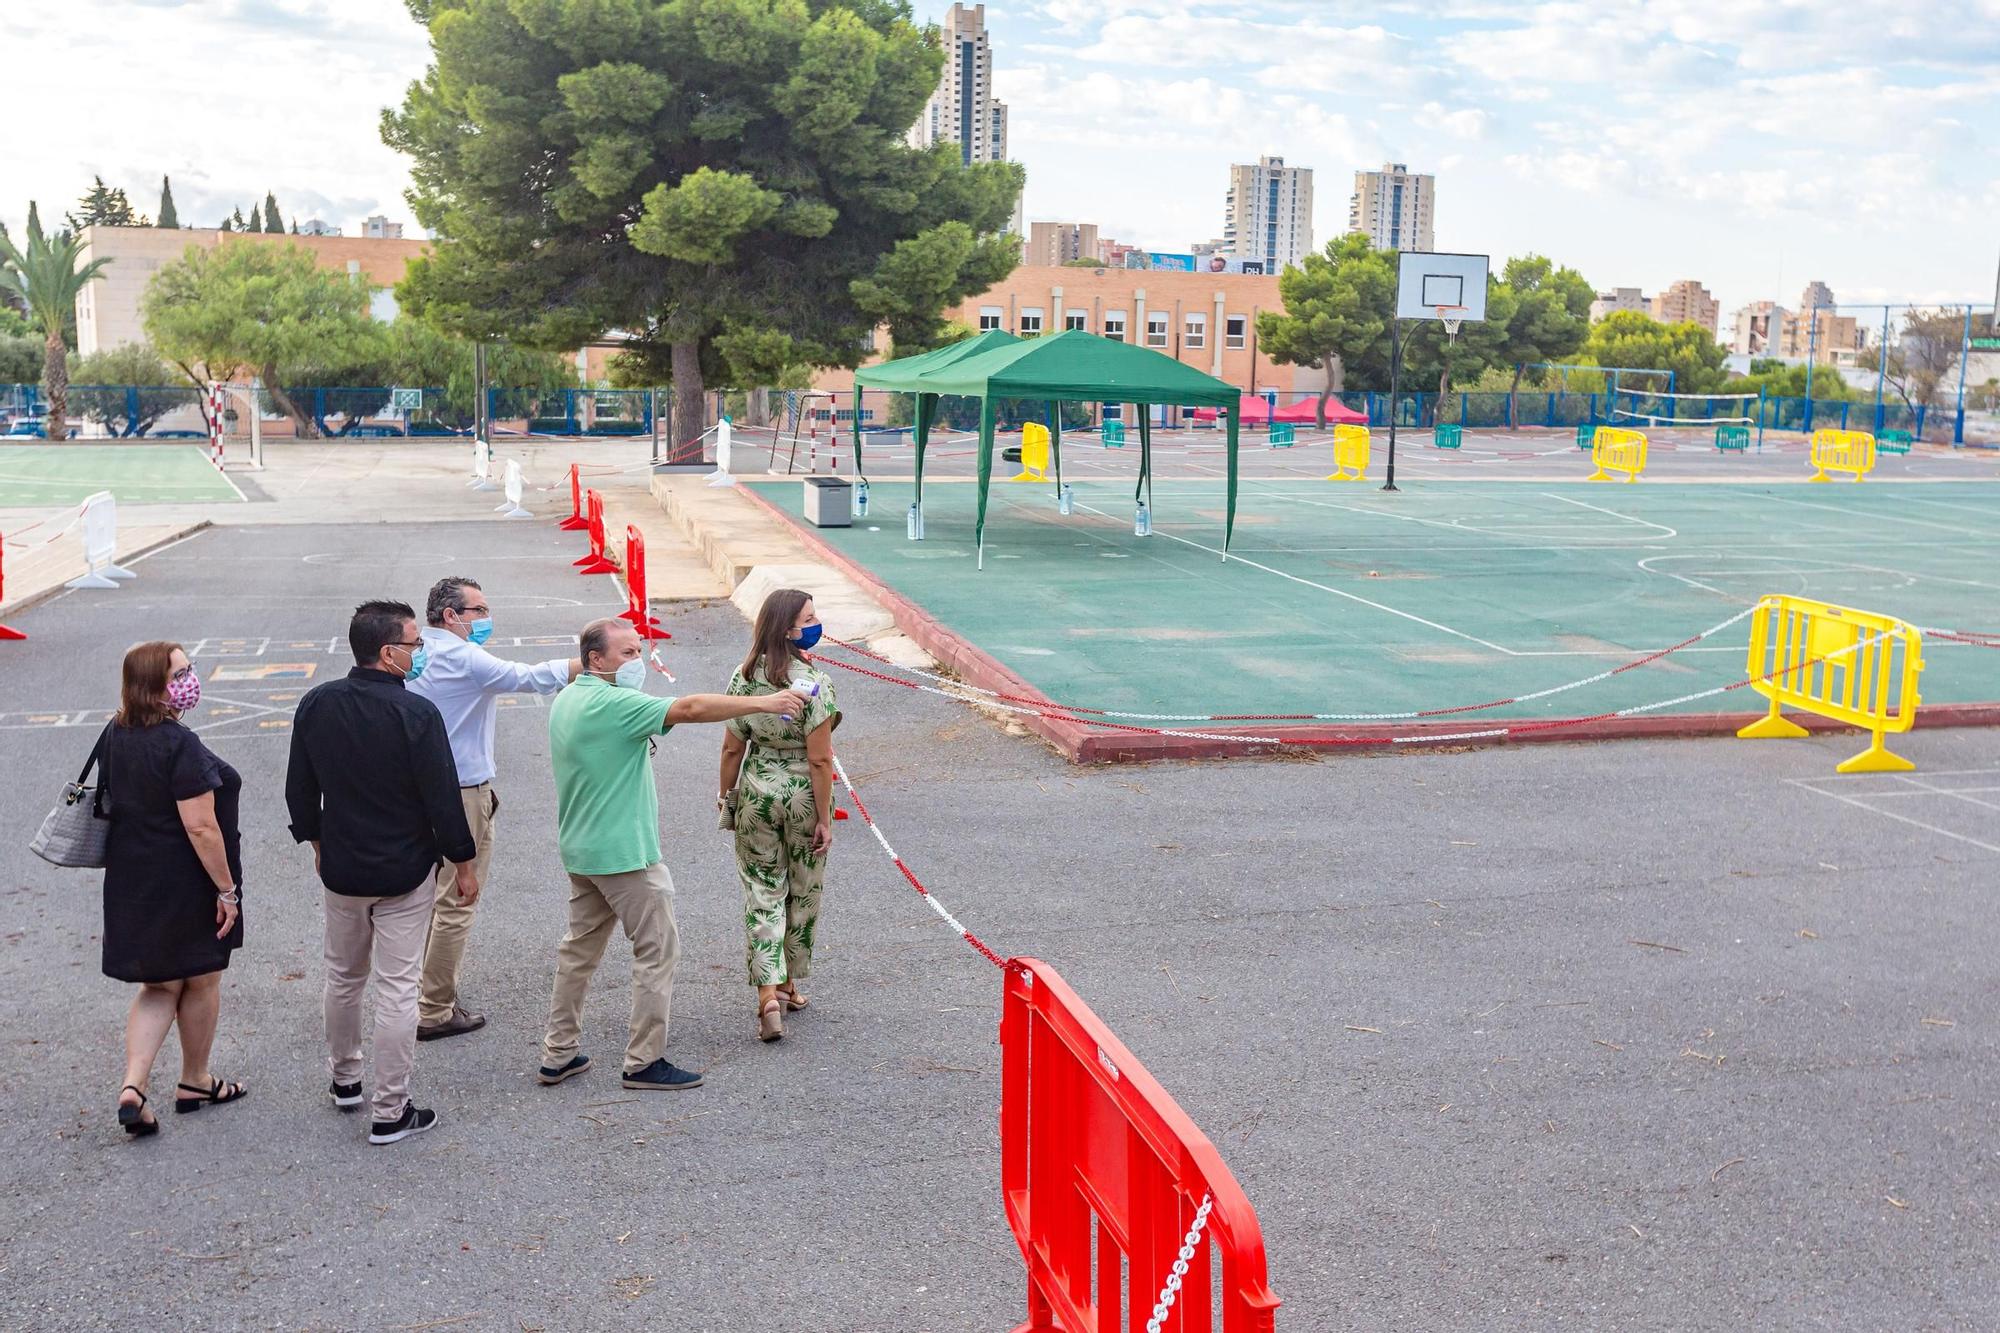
<point>465,682</point>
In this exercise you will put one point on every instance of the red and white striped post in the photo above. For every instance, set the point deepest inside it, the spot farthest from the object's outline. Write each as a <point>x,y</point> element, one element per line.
<point>216,399</point>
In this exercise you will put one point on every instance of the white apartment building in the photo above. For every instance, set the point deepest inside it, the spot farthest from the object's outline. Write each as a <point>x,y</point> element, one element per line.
<point>1395,208</point>
<point>1267,213</point>
<point>1620,298</point>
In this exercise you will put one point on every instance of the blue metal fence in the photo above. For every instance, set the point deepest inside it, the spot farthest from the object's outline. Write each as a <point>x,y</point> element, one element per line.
<point>165,411</point>
<point>130,411</point>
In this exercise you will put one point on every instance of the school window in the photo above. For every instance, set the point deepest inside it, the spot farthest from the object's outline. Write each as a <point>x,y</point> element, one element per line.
<point>1031,321</point>
<point>989,318</point>
<point>1235,331</point>
<point>1076,319</point>
<point>1156,329</point>
<point>1114,325</point>
<point>1196,334</point>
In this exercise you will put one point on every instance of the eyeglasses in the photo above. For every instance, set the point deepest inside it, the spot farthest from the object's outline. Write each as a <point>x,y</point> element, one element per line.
<point>185,671</point>
<point>475,611</point>
<point>411,646</point>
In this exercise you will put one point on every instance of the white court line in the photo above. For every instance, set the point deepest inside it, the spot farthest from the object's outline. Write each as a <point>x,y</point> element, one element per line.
<point>1432,624</point>
<point>1958,793</point>
<point>1935,773</point>
<point>1888,814</point>
<point>1581,504</point>
<point>1851,514</point>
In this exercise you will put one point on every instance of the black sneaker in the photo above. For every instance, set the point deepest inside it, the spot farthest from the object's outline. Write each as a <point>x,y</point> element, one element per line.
<point>414,1120</point>
<point>577,1064</point>
<point>662,1076</point>
<point>346,1096</point>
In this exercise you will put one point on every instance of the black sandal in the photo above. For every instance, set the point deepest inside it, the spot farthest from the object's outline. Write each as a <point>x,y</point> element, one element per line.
<point>202,1097</point>
<point>128,1116</point>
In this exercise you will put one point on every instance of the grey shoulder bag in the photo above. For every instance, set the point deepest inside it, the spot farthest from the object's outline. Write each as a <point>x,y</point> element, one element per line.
<point>75,833</point>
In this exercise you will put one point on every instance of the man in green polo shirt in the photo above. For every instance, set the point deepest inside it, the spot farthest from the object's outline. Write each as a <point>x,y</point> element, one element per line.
<point>608,830</point>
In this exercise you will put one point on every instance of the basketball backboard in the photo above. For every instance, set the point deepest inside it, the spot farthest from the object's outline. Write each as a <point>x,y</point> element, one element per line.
<point>1424,282</point>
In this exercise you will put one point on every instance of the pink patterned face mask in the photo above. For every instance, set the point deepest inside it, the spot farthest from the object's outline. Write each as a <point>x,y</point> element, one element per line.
<point>183,690</point>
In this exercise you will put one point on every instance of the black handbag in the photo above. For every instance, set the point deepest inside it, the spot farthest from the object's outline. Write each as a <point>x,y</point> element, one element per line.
<point>76,832</point>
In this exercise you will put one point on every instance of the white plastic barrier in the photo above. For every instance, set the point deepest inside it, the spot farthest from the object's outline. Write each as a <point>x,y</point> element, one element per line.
<point>100,544</point>
<point>721,477</point>
<point>482,464</point>
<point>512,486</point>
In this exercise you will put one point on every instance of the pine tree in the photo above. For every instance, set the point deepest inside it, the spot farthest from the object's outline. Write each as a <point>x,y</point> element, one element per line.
<point>271,220</point>
<point>295,226</point>
<point>225,226</point>
<point>105,207</point>
<point>168,217</point>
<point>256,223</point>
<point>236,218</point>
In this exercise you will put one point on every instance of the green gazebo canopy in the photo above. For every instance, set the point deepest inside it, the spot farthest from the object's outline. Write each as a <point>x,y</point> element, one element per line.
<point>1067,367</point>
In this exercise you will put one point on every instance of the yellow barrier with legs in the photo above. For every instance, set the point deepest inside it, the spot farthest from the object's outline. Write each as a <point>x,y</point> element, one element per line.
<point>1350,453</point>
<point>1850,451</point>
<point>1034,452</point>
<point>1855,667</point>
<point>1616,449</point>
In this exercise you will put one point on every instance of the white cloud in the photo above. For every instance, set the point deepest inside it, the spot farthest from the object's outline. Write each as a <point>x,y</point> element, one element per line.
<point>1464,123</point>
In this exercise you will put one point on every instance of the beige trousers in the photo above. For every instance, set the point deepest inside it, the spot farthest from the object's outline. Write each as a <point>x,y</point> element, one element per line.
<point>392,931</point>
<point>451,920</point>
<point>642,901</point>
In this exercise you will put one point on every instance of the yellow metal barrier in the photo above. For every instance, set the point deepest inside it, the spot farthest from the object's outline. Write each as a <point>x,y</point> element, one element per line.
<point>1850,451</point>
<point>1616,449</point>
<point>1855,667</point>
<point>1034,452</point>
<point>1350,453</point>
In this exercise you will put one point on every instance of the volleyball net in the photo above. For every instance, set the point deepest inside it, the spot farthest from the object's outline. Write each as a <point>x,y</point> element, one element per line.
<point>1654,410</point>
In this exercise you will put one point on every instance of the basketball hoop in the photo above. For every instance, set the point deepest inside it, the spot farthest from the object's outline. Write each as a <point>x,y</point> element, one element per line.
<point>1450,316</point>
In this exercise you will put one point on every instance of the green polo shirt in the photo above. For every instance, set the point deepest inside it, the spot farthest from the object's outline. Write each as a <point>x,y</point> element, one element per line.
<point>607,813</point>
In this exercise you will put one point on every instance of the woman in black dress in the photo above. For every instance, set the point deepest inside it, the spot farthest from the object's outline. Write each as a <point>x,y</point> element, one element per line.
<point>171,874</point>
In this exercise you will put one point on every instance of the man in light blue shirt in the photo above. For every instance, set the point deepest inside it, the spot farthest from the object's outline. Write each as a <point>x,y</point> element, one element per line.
<point>466,682</point>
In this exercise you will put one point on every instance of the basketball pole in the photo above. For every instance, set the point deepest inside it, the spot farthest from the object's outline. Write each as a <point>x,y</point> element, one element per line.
<point>1395,392</point>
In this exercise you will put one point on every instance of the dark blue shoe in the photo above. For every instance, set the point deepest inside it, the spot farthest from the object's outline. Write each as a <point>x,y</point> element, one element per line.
<point>661,1076</point>
<point>578,1063</point>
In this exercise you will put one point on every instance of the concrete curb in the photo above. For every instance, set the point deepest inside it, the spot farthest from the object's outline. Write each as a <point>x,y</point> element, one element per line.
<point>56,583</point>
<point>1084,744</point>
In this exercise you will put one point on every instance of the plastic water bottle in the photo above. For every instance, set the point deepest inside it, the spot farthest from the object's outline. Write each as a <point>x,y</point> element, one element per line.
<point>1066,500</point>
<point>1142,522</point>
<point>861,499</point>
<point>916,523</point>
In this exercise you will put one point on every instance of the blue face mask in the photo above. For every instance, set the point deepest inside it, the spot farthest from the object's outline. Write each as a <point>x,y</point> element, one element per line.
<point>808,638</point>
<point>481,630</point>
<point>631,675</point>
<point>418,659</point>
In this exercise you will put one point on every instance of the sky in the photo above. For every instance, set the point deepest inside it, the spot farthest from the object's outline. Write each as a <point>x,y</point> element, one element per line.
<point>1750,144</point>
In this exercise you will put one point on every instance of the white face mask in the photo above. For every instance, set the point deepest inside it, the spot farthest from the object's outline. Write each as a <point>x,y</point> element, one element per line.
<point>631,675</point>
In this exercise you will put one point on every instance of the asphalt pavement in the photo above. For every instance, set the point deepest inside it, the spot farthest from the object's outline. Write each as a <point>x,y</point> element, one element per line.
<point>1675,1035</point>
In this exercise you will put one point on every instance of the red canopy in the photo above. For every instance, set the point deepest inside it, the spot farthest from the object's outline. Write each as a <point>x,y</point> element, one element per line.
<point>1257,411</point>
<point>1337,412</point>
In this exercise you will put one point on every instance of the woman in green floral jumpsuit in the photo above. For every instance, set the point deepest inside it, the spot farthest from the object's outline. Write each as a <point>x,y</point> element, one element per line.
<point>780,773</point>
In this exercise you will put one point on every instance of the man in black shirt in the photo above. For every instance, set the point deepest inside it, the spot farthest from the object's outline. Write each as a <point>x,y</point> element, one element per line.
<point>373,788</point>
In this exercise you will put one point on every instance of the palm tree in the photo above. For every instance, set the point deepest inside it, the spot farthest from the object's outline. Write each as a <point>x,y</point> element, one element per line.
<point>44,274</point>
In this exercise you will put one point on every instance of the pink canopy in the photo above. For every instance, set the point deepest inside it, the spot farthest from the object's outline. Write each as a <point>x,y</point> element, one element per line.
<point>1257,411</point>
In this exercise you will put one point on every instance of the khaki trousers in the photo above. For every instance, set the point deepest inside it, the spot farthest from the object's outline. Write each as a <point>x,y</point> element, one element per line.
<point>451,920</point>
<point>392,931</point>
<point>642,901</point>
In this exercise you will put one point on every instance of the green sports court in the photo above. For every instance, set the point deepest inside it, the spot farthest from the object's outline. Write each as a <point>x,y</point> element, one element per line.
<point>1439,596</point>
<point>42,475</point>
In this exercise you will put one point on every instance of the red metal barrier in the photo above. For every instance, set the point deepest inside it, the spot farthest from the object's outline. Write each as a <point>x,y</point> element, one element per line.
<point>6,633</point>
<point>636,607</point>
<point>576,522</point>
<point>596,562</point>
<point>1089,1141</point>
